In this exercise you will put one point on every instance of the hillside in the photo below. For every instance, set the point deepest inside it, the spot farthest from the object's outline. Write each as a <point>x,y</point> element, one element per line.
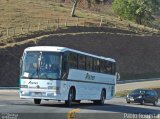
<point>44,22</point>
<point>24,19</point>
<point>136,56</point>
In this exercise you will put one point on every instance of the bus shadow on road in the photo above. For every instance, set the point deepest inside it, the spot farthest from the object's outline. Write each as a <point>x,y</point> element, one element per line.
<point>125,109</point>
<point>110,108</point>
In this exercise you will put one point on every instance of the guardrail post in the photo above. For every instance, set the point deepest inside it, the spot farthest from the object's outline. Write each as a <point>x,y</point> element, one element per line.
<point>84,23</point>
<point>100,24</point>
<point>22,29</point>
<point>1,34</point>
<point>7,32</point>
<point>57,23</point>
<point>28,27</point>
<point>115,26</point>
<point>77,21</point>
<point>14,31</point>
<point>39,26</point>
<point>129,26</point>
<point>66,22</point>
<point>47,24</point>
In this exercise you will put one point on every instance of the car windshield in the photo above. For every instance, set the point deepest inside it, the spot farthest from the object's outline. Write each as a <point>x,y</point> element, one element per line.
<point>138,91</point>
<point>44,65</point>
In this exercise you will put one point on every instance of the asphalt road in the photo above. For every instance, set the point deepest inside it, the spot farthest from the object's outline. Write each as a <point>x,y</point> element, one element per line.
<point>11,106</point>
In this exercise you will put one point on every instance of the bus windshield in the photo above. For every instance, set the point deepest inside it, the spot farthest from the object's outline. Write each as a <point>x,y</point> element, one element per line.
<point>41,65</point>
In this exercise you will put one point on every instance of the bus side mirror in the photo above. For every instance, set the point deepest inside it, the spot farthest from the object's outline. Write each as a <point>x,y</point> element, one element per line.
<point>117,76</point>
<point>21,62</point>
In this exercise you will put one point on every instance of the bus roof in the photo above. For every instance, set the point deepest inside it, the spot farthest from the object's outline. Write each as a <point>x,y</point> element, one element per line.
<point>63,49</point>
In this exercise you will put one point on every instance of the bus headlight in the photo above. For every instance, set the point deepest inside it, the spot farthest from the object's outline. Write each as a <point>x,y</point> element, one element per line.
<point>23,86</point>
<point>25,93</point>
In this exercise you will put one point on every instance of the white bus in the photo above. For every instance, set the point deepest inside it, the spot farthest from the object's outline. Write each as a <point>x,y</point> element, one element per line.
<point>59,73</point>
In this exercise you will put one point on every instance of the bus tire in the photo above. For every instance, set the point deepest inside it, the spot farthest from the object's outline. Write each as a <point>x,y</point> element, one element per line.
<point>78,101</point>
<point>95,102</point>
<point>102,98</point>
<point>37,101</point>
<point>71,97</point>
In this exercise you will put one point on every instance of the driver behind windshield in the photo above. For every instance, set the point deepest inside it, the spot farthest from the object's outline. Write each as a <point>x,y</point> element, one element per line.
<point>41,65</point>
<point>49,66</point>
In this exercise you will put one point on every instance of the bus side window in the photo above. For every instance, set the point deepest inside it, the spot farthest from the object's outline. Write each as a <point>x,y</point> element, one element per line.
<point>81,62</point>
<point>96,64</point>
<point>89,63</point>
<point>64,67</point>
<point>72,60</point>
<point>102,66</point>
<point>108,67</point>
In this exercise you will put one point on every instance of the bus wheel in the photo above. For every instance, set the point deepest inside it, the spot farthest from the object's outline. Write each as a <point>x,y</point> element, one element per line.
<point>102,98</point>
<point>71,96</point>
<point>78,101</point>
<point>37,101</point>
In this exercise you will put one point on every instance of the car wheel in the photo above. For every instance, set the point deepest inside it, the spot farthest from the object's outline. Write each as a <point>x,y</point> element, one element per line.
<point>128,102</point>
<point>37,101</point>
<point>155,103</point>
<point>142,103</point>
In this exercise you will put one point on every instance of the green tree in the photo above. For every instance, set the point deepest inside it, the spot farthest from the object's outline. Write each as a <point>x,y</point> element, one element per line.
<point>140,11</point>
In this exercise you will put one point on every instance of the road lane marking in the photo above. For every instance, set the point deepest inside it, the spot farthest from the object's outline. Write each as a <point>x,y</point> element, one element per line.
<point>72,114</point>
<point>2,105</point>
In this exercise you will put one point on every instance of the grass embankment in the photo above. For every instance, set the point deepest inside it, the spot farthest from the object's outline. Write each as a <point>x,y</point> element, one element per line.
<point>125,92</point>
<point>27,17</point>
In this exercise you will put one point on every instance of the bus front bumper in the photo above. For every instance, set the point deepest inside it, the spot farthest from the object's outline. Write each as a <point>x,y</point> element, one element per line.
<point>48,95</point>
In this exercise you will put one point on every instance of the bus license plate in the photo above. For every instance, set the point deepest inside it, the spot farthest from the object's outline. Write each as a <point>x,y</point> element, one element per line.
<point>37,94</point>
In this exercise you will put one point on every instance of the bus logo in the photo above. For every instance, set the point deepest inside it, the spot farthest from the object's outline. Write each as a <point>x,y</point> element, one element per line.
<point>33,82</point>
<point>89,77</point>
